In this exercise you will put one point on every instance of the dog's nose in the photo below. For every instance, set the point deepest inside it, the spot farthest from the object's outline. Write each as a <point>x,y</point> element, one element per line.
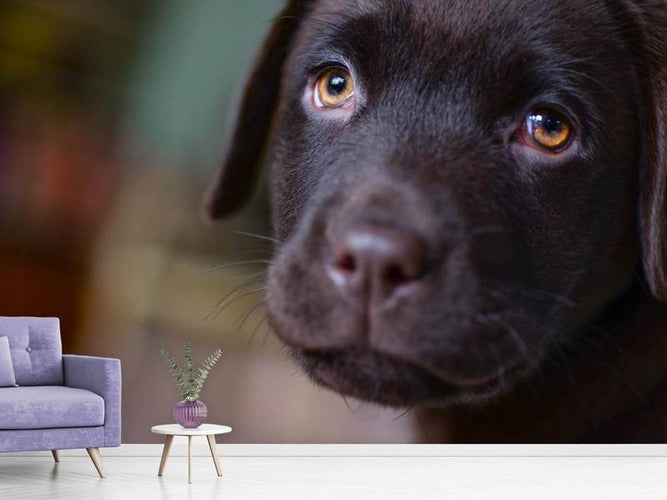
<point>376,260</point>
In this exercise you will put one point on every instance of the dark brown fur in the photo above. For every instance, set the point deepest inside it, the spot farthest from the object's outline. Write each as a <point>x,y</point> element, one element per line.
<point>550,274</point>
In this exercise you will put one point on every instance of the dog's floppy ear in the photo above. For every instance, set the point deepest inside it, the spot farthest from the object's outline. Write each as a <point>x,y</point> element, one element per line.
<point>235,179</point>
<point>653,198</point>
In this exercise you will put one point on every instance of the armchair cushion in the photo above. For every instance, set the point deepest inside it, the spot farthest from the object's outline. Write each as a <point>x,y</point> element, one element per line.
<point>7,378</point>
<point>35,347</point>
<point>47,407</point>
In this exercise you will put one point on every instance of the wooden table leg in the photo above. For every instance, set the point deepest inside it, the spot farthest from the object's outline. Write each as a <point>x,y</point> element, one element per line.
<point>55,455</point>
<point>189,458</point>
<point>214,453</point>
<point>165,452</point>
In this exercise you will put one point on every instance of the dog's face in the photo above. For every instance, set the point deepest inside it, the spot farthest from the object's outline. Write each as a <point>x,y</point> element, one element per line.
<point>457,187</point>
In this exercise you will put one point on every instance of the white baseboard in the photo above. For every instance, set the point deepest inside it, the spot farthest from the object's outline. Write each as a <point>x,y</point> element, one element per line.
<point>200,448</point>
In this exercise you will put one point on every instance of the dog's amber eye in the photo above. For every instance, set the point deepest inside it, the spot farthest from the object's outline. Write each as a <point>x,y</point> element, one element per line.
<point>549,129</point>
<point>334,86</point>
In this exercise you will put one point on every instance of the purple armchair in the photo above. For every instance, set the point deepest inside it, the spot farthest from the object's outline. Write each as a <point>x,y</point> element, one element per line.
<point>54,401</point>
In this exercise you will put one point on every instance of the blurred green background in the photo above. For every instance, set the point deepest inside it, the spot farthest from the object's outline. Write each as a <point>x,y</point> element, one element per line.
<point>112,119</point>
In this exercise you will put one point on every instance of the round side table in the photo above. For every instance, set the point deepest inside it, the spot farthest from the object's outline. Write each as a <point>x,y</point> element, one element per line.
<point>208,430</point>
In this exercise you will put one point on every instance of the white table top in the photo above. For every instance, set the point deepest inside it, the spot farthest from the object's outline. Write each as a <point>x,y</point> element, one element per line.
<point>179,430</point>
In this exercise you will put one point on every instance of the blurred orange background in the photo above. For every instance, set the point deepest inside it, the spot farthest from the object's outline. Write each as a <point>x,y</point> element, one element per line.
<point>112,117</point>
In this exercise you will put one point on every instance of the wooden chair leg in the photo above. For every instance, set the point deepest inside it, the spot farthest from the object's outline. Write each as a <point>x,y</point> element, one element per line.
<point>55,455</point>
<point>97,460</point>
<point>214,453</point>
<point>165,452</point>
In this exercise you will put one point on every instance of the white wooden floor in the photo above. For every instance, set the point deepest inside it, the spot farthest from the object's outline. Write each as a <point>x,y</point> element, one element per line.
<point>338,477</point>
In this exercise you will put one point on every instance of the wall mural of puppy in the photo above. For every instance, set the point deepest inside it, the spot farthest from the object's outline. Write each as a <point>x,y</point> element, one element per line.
<point>471,200</point>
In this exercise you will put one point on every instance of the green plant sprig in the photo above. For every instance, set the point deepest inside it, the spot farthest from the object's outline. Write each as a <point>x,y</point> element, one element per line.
<point>188,384</point>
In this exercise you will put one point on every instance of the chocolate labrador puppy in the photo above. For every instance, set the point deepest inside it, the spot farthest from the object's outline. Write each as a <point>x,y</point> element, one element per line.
<point>471,200</point>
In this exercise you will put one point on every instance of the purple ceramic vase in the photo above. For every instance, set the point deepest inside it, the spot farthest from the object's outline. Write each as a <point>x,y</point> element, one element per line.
<point>190,413</point>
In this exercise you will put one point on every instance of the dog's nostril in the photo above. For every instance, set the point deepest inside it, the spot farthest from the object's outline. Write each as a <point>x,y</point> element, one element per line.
<point>395,275</point>
<point>346,263</point>
<point>368,257</point>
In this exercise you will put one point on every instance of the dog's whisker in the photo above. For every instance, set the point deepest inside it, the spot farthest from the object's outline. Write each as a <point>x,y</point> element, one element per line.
<point>254,278</point>
<point>256,328</point>
<point>231,298</point>
<point>247,315</point>
<point>243,251</point>
<point>527,357</point>
<point>581,75</point>
<point>266,333</point>
<point>349,407</point>
<point>237,297</point>
<point>244,316</point>
<point>258,276</point>
<point>515,335</point>
<point>403,414</point>
<point>551,295</point>
<point>259,236</point>
<point>233,264</point>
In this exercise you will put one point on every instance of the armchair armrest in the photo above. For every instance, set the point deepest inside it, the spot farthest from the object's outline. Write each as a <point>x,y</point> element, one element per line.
<point>103,377</point>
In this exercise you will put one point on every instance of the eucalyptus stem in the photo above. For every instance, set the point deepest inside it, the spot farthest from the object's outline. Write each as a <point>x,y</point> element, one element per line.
<point>189,384</point>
